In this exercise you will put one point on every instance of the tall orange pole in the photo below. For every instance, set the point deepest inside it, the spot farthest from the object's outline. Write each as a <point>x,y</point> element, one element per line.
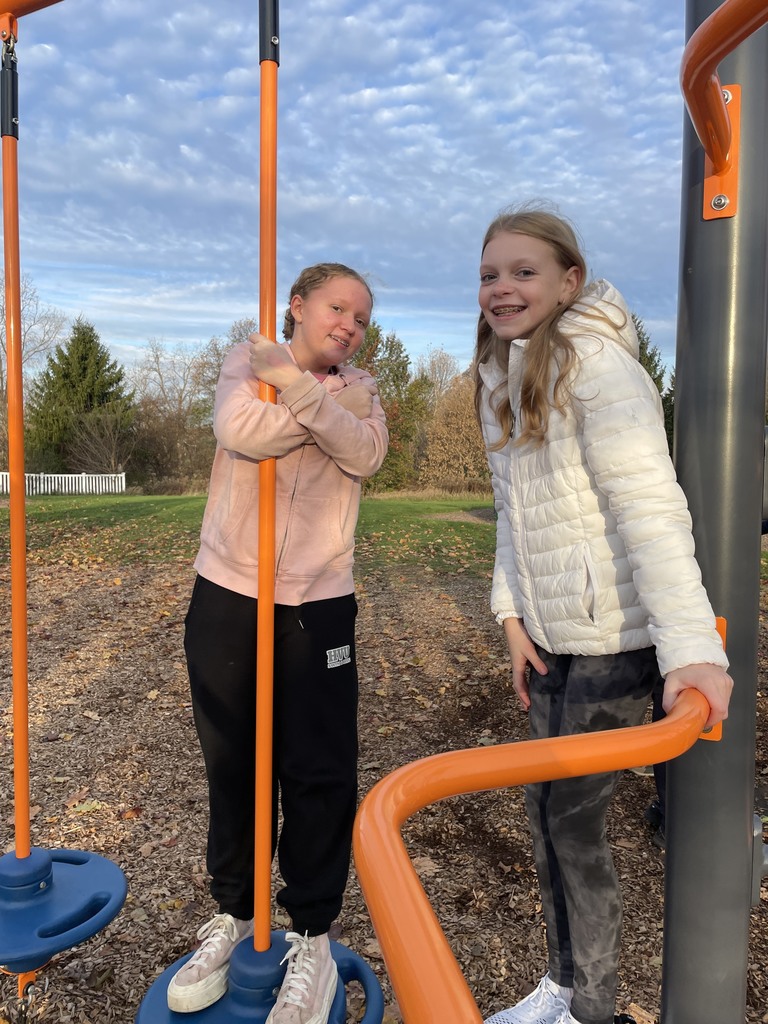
<point>15,439</point>
<point>9,129</point>
<point>265,623</point>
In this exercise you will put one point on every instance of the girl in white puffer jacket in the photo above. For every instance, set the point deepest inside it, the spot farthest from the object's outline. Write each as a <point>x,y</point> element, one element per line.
<point>595,580</point>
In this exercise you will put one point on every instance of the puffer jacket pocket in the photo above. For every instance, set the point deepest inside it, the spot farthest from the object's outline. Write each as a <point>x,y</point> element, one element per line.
<point>589,588</point>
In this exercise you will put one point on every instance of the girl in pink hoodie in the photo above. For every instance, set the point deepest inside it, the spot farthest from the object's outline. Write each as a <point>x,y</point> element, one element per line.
<point>327,432</point>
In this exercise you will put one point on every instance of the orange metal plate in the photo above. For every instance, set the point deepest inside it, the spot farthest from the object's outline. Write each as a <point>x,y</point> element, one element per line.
<point>721,191</point>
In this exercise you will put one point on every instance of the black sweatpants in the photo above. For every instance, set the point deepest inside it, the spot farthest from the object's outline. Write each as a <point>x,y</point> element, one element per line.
<point>315,747</point>
<point>580,893</point>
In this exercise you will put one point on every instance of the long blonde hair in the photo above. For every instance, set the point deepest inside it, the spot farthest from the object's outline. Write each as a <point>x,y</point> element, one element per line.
<point>546,346</point>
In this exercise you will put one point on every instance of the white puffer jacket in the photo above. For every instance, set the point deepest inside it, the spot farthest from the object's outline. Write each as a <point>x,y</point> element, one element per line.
<point>594,544</point>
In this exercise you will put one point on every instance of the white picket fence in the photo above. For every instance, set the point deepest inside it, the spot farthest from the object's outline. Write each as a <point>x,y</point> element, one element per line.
<point>67,483</point>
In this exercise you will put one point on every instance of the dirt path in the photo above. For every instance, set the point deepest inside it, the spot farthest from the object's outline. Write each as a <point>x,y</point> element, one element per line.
<point>116,769</point>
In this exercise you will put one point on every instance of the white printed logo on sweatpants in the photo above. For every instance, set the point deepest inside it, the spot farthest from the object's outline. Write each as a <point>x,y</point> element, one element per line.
<point>339,656</point>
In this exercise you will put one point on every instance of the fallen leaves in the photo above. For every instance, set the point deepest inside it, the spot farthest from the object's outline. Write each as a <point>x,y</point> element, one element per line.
<point>130,784</point>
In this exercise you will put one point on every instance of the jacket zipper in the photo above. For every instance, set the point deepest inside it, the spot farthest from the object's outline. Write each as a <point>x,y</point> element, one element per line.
<point>517,486</point>
<point>289,517</point>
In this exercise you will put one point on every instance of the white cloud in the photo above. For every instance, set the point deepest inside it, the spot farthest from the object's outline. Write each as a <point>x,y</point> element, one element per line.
<point>403,128</point>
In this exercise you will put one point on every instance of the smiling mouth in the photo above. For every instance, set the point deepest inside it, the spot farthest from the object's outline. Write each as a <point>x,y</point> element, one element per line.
<point>340,341</point>
<point>507,310</point>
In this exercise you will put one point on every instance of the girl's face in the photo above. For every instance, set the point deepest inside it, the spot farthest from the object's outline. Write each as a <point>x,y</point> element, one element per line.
<point>521,283</point>
<point>330,323</point>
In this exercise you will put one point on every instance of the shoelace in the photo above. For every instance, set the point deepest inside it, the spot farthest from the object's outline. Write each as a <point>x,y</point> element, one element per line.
<point>542,998</point>
<point>301,967</point>
<point>213,933</point>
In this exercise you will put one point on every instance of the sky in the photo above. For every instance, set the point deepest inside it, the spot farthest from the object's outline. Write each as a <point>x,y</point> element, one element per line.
<point>403,128</point>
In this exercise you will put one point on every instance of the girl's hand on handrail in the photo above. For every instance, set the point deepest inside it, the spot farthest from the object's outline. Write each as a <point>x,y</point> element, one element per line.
<point>710,680</point>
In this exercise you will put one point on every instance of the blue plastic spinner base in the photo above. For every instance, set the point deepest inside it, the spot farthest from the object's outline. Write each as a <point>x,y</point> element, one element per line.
<point>254,979</point>
<point>51,901</point>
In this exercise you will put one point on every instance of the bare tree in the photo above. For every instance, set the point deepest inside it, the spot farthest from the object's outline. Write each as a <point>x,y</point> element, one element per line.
<point>240,330</point>
<point>440,369</point>
<point>41,329</point>
<point>174,391</point>
<point>103,440</point>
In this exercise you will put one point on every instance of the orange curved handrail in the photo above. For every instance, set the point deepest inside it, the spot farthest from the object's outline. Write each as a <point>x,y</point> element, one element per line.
<point>428,982</point>
<point>712,41</point>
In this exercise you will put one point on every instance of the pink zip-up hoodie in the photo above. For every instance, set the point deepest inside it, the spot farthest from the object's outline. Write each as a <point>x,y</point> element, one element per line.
<point>322,452</point>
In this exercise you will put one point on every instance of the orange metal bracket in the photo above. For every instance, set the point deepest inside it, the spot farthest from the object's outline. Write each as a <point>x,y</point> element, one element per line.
<point>721,190</point>
<point>727,27</point>
<point>428,982</point>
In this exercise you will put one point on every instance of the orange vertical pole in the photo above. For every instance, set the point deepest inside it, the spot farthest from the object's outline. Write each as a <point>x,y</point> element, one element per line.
<point>8,29</point>
<point>9,128</point>
<point>267,477</point>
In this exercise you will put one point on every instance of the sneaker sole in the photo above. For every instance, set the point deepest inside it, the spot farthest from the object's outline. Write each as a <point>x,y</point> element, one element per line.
<point>200,994</point>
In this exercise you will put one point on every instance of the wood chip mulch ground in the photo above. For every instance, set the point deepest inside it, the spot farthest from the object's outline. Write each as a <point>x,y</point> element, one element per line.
<point>115,769</point>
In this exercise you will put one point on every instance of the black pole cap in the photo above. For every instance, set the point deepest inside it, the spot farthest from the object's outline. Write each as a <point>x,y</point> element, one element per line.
<point>269,31</point>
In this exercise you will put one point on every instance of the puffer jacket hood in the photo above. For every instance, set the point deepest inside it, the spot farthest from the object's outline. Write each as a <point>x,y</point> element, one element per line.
<point>594,545</point>
<point>613,321</point>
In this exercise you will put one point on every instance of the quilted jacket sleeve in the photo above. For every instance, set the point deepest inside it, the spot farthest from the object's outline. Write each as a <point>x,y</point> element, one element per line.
<point>626,450</point>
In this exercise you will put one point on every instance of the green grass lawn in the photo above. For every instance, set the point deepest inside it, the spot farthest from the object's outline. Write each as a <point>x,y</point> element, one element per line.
<point>403,529</point>
<point>444,534</point>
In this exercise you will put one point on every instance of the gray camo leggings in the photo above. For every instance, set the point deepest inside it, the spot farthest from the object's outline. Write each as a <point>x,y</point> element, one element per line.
<point>580,892</point>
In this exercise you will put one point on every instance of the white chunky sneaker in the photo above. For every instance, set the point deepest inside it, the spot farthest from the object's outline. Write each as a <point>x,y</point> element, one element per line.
<point>307,992</point>
<point>547,1004</point>
<point>203,978</point>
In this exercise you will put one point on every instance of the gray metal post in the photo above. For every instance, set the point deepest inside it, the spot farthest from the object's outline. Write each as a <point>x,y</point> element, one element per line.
<point>720,415</point>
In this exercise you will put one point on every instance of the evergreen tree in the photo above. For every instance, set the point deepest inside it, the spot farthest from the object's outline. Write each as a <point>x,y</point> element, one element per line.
<point>405,402</point>
<point>668,402</point>
<point>652,362</point>
<point>650,355</point>
<point>79,380</point>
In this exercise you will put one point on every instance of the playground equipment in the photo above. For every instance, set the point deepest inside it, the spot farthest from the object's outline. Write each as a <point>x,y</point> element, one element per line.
<point>427,980</point>
<point>50,900</point>
<point>720,399</point>
<point>715,853</point>
<point>714,840</point>
<point>255,968</point>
